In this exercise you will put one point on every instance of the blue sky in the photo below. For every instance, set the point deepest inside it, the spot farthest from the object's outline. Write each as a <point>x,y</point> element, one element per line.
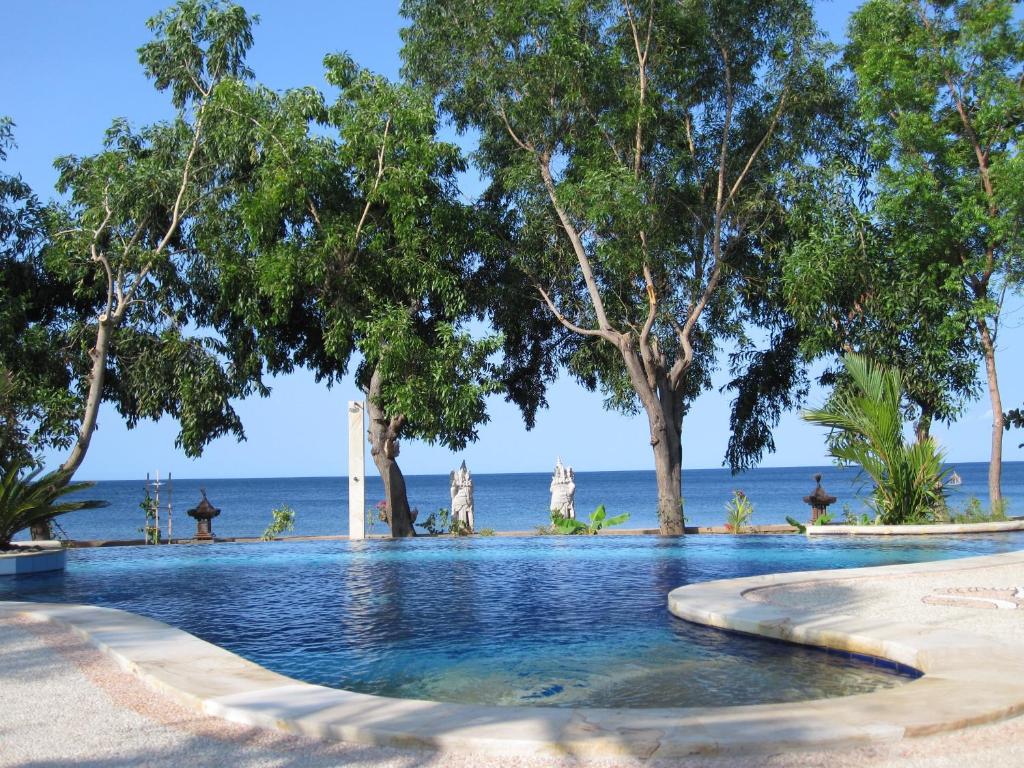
<point>70,67</point>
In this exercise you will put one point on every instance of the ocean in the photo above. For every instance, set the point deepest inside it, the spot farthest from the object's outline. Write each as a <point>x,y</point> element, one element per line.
<point>503,502</point>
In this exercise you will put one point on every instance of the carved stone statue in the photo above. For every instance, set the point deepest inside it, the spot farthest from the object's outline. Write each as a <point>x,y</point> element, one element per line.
<point>563,490</point>
<point>462,496</point>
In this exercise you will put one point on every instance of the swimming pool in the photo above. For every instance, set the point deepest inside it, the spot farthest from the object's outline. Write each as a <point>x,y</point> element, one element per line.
<point>553,621</point>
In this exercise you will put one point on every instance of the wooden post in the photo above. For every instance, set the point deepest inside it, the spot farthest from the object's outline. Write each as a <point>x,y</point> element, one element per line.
<point>356,470</point>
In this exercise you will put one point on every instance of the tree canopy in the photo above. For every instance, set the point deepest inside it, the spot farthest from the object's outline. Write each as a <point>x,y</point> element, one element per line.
<point>634,149</point>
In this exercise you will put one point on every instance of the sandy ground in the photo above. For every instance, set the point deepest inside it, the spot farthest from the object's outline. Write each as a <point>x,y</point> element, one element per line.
<point>64,704</point>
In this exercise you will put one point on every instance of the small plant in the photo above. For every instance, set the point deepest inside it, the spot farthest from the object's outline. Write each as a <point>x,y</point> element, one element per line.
<point>486,531</point>
<point>441,523</point>
<point>974,512</point>
<point>797,524</point>
<point>738,511</point>
<point>437,523</point>
<point>151,533</point>
<point>825,518</point>
<point>598,520</point>
<point>281,519</point>
<point>852,518</point>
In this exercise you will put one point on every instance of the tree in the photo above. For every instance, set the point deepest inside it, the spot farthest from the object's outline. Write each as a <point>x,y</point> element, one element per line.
<point>939,91</point>
<point>36,408</point>
<point>850,287</point>
<point>125,240</point>
<point>867,422</point>
<point>634,148</point>
<point>346,242</point>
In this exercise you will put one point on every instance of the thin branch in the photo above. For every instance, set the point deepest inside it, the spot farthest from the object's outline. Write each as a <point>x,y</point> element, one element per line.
<point>373,190</point>
<point>544,163</point>
<point>508,127</point>
<point>757,150</point>
<point>566,321</point>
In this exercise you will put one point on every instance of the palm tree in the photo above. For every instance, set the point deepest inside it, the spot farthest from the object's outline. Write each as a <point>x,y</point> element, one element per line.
<point>26,501</point>
<point>867,422</point>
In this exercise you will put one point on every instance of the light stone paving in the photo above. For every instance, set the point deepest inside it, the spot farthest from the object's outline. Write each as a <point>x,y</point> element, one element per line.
<point>970,679</point>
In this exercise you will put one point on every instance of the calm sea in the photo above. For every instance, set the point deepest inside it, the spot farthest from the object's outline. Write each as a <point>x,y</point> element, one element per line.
<point>515,502</point>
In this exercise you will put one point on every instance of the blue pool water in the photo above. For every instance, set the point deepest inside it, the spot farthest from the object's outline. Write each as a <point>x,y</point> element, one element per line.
<point>560,621</point>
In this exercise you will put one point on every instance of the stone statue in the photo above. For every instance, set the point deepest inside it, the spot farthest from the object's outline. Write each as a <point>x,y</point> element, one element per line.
<point>462,496</point>
<point>563,491</point>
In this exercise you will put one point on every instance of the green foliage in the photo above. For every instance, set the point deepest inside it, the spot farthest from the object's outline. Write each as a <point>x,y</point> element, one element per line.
<point>974,512</point>
<point>866,420</point>
<point>939,93</point>
<point>37,410</point>
<point>282,521</point>
<point>825,518</point>
<point>487,532</point>
<point>850,284</point>
<point>150,531</point>
<point>30,499</point>
<point>437,523</point>
<point>442,523</point>
<point>632,153</point>
<point>852,518</point>
<point>800,527</point>
<point>597,521</point>
<point>738,511</point>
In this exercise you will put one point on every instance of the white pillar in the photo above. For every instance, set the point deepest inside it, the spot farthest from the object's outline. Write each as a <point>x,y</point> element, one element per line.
<point>356,470</point>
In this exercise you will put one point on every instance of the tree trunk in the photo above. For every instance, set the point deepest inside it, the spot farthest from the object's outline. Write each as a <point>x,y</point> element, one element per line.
<point>98,354</point>
<point>923,428</point>
<point>668,462</point>
<point>41,531</point>
<point>663,406</point>
<point>384,447</point>
<point>995,466</point>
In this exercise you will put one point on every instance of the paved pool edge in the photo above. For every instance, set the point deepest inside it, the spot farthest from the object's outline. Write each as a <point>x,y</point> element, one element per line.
<point>968,680</point>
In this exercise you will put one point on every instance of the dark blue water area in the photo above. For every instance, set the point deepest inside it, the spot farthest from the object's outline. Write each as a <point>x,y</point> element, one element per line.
<point>559,621</point>
<point>516,502</point>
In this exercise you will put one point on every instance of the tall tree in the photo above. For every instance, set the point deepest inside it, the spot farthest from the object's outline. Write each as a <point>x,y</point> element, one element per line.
<point>348,244</point>
<point>36,409</point>
<point>125,240</point>
<point>939,89</point>
<point>635,145</point>
<point>851,288</point>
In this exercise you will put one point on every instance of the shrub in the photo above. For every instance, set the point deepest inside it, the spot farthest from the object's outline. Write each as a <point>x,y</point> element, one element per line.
<point>866,419</point>
<point>598,520</point>
<point>738,511</point>
<point>282,519</point>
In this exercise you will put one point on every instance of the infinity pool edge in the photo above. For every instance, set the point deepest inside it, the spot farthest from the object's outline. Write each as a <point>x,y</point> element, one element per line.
<point>968,679</point>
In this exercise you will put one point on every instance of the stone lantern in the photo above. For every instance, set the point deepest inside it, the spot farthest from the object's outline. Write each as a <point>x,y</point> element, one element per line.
<point>203,514</point>
<point>819,500</point>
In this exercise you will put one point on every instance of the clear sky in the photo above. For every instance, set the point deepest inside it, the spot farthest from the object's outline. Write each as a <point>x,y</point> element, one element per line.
<point>69,67</point>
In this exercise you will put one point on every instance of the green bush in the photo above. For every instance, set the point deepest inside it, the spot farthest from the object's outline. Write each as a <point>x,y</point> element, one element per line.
<point>974,512</point>
<point>866,419</point>
<point>738,511</point>
<point>597,521</point>
<point>282,520</point>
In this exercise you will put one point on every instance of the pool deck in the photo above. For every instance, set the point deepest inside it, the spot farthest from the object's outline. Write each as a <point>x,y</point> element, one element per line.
<point>920,615</point>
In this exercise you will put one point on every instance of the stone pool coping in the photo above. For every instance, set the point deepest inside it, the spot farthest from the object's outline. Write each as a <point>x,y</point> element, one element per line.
<point>941,529</point>
<point>968,679</point>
